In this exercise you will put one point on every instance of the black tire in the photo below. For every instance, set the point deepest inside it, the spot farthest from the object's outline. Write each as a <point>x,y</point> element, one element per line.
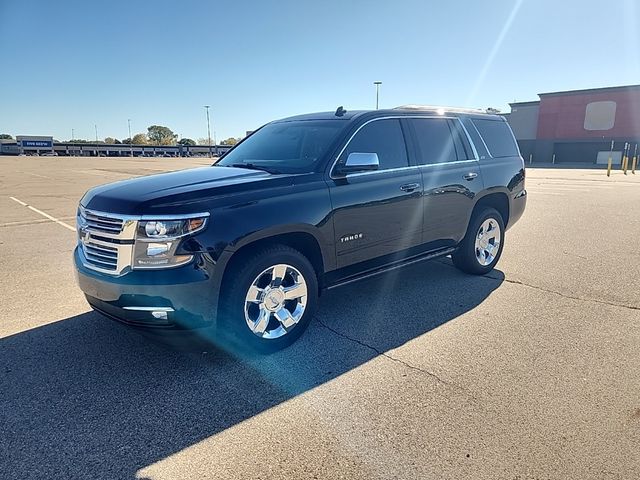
<point>465,258</point>
<point>232,325</point>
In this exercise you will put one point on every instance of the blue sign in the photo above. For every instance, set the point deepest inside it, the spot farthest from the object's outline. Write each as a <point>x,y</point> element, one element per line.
<point>37,143</point>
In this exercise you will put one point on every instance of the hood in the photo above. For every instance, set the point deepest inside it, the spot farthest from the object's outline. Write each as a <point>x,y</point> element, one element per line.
<point>170,191</point>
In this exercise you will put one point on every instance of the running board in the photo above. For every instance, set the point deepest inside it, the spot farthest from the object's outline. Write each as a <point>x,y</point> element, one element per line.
<point>394,266</point>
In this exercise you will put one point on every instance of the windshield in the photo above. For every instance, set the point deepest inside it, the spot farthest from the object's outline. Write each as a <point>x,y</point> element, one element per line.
<point>287,147</point>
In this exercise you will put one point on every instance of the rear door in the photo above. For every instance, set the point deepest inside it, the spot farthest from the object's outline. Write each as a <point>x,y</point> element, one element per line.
<point>450,175</point>
<point>378,212</point>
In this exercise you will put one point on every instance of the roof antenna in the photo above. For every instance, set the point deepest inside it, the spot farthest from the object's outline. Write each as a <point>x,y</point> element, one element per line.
<point>340,111</point>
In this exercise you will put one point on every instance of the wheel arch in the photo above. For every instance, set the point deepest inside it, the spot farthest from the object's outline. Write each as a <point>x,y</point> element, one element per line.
<point>497,199</point>
<point>300,237</point>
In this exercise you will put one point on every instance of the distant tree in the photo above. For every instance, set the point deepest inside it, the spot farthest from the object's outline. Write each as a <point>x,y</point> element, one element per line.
<point>492,110</point>
<point>160,135</point>
<point>140,139</point>
<point>126,141</point>
<point>79,140</point>
<point>186,141</point>
<point>5,136</point>
<point>230,141</point>
<point>118,142</point>
<point>204,141</point>
<point>111,140</point>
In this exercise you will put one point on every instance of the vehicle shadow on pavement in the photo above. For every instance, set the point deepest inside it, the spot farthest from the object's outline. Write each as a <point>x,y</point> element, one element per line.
<point>85,397</point>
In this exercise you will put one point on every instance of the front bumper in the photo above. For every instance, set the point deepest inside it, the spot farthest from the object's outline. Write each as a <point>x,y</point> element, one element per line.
<point>174,299</point>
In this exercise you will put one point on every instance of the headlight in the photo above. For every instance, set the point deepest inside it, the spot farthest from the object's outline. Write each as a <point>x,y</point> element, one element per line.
<point>157,241</point>
<point>156,229</point>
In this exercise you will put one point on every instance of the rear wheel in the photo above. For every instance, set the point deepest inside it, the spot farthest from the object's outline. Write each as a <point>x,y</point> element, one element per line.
<point>269,299</point>
<point>481,247</point>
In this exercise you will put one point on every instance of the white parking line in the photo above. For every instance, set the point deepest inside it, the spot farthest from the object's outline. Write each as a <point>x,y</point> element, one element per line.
<point>89,172</point>
<point>576,186</point>
<point>19,201</point>
<point>544,190</point>
<point>546,193</point>
<point>46,215</point>
<point>37,175</point>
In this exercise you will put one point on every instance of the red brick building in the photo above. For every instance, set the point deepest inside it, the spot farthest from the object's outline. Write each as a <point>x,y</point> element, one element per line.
<point>577,126</point>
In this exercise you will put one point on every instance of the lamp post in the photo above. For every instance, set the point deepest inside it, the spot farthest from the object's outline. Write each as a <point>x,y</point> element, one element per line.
<point>377,84</point>
<point>208,129</point>
<point>96,127</point>
<point>130,139</point>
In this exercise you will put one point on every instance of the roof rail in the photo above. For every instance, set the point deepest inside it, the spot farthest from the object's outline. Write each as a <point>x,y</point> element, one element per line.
<point>440,109</point>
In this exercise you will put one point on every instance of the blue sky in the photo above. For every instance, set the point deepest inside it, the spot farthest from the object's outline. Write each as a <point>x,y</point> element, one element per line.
<point>73,64</point>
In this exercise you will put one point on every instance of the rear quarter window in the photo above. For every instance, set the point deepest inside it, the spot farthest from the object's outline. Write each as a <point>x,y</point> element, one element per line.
<point>498,137</point>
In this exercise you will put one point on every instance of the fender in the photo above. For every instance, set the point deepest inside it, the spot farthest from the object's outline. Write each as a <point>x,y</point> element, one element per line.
<point>326,248</point>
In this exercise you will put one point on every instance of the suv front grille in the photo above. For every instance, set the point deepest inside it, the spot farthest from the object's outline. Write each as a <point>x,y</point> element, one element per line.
<point>106,240</point>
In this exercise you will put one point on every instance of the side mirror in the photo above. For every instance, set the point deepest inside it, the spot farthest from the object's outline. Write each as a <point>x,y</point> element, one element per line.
<point>360,162</point>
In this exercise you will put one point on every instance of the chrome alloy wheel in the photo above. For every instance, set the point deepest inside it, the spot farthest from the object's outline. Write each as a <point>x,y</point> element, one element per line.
<point>275,301</point>
<point>488,241</point>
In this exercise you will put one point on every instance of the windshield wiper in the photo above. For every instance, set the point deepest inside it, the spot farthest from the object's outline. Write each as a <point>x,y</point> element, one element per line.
<point>253,166</point>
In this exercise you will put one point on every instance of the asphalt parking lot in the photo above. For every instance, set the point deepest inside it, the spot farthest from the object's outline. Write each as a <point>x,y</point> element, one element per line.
<point>530,373</point>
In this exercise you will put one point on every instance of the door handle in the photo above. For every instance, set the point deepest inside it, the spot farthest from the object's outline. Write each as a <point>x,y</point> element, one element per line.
<point>409,187</point>
<point>470,176</point>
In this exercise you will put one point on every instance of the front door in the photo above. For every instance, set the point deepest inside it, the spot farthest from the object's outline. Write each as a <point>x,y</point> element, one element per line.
<point>379,212</point>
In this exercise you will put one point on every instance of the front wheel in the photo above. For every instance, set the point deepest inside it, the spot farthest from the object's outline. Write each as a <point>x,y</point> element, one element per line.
<point>269,299</point>
<point>481,247</point>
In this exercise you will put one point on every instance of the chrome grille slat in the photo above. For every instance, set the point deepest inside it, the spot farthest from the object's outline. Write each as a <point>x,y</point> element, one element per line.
<point>102,217</point>
<point>102,248</point>
<point>98,225</point>
<point>97,218</point>
<point>101,223</point>
<point>100,263</point>
<point>103,257</point>
<point>102,228</point>
<point>91,251</point>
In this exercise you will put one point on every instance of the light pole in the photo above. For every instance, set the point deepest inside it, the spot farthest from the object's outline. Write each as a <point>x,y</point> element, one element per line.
<point>73,135</point>
<point>130,139</point>
<point>96,127</point>
<point>377,84</point>
<point>208,129</point>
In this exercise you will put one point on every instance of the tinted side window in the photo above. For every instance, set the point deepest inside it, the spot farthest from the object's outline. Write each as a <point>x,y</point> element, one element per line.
<point>461,142</point>
<point>497,135</point>
<point>383,137</point>
<point>435,143</point>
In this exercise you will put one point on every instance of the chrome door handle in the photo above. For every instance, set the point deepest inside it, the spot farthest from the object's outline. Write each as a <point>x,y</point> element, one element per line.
<point>470,176</point>
<point>409,187</point>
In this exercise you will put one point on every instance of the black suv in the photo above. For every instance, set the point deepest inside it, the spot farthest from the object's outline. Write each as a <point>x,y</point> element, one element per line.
<point>244,248</point>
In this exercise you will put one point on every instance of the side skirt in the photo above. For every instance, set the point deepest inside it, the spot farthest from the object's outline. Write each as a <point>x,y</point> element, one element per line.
<point>392,266</point>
